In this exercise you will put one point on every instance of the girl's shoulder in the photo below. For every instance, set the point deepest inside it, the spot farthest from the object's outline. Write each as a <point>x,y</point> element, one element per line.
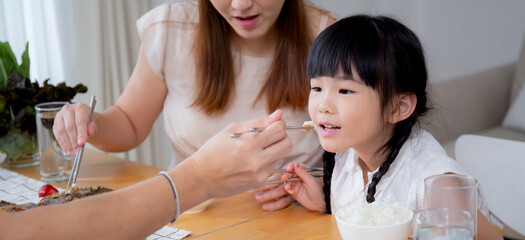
<point>428,157</point>
<point>319,18</point>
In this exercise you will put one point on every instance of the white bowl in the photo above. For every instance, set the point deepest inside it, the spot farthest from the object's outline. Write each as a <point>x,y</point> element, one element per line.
<point>397,231</point>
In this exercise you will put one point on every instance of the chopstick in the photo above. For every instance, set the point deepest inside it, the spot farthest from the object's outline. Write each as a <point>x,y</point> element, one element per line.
<point>256,129</point>
<point>72,182</point>
<point>292,179</point>
<point>306,169</point>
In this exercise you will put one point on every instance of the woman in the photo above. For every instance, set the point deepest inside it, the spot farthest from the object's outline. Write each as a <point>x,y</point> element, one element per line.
<point>206,65</point>
<point>138,210</point>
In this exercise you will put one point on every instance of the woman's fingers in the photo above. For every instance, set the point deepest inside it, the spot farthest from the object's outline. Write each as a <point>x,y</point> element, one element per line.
<point>241,163</point>
<point>271,195</point>
<point>82,120</point>
<point>71,127</point>
<point>278,204</point>
<point>61,135</point>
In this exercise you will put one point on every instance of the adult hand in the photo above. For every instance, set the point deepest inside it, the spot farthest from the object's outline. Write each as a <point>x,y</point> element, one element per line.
<point>226,166</point>
<point>71,128</point>
<point>308,191</point>
<point>273,196</point>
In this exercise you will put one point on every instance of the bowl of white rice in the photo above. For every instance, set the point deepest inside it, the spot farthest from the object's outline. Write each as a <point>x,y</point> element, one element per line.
<point>374,221</point>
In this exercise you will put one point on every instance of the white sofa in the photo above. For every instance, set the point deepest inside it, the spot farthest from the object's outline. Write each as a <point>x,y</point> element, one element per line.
<point>479,104</point>
<point>489,103</point>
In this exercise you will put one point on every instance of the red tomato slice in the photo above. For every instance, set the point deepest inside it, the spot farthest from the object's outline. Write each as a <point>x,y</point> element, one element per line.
<point>47,189</point>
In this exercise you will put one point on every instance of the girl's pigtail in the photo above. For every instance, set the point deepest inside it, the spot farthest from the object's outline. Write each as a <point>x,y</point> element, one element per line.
<point>402,133</point>
<point>328,165</point>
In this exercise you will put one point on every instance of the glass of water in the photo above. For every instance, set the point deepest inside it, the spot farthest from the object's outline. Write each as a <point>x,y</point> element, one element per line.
<point>452,191</point>
<point>443,224</point>
<point>55,166</point>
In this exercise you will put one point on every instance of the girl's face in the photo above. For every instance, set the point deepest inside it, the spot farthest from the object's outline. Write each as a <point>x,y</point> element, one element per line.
<point>346,113</point>
<point>251,19</point>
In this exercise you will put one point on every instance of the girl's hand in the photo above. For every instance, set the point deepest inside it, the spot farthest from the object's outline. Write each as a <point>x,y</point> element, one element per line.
<point>71,127</point>
<point>273,196</point>
<point>308,191</point>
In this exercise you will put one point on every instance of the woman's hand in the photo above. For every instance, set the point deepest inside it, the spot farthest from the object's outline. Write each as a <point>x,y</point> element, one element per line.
<point>226,166</point>
<point>71,127</point>
<point>308,191</point>
<point>273,196</point>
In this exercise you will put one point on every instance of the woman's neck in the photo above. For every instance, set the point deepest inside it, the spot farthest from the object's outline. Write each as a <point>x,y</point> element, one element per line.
<point>263,46</point>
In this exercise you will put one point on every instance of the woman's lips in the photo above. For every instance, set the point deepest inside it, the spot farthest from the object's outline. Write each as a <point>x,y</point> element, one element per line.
<point>247,21</point>
<point>327,129</point>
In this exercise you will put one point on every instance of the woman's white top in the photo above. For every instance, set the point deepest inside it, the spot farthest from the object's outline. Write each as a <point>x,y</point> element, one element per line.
<point>166,33</point>
<point>421,156</point>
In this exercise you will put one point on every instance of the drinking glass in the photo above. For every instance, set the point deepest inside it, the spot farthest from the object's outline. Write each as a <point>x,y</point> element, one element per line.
<point>55,166</point>
<point>452,191</point>
<point>443,224</point>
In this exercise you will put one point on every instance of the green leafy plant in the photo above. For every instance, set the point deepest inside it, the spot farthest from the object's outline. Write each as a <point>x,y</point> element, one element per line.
<point>18,97</point>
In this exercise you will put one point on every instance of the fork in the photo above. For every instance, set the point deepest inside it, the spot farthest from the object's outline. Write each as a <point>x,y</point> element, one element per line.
<point>258,129</point>
<point>72,182</point>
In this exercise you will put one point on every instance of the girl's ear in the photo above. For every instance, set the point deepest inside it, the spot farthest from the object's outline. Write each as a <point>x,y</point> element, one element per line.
<point>405,103</point>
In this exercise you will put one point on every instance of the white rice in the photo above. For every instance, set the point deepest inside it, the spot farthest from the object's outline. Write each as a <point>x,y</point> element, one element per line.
<point>374,214</point>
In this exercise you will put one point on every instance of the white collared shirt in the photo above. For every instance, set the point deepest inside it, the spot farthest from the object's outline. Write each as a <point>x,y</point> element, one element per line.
<point>421,156</point>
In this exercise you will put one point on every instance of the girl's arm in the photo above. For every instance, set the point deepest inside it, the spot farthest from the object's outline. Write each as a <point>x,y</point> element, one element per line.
<point>222,167</point>
<point>486,231</point>
<point>308,191</point>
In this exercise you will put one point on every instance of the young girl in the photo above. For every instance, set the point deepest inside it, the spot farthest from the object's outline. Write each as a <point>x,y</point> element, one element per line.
<point>368,89</point>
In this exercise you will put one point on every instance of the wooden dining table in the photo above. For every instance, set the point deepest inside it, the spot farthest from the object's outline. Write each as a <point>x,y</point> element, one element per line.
<point>236,217</point>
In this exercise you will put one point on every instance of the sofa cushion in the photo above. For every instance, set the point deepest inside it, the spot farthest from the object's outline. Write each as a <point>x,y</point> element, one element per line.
<point>519,75</point>
<point>515,117</point>
<point>497,132</point>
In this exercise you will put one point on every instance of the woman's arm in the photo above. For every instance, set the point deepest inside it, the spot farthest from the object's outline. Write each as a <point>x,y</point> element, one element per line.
<point>222,167</point>
<point>120,127</point>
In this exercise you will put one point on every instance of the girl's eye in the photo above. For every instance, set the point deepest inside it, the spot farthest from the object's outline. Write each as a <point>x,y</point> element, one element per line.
<point>316,89</point>
<point>345,91</point>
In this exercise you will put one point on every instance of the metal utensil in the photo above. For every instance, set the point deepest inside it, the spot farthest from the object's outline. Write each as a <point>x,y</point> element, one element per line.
<point>78,158</point>
<point>256,129</point>
<point>306,169</point>
<point>292,179</point>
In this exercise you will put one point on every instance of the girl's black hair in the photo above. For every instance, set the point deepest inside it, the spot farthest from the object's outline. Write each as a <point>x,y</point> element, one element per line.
<point>389,58</point>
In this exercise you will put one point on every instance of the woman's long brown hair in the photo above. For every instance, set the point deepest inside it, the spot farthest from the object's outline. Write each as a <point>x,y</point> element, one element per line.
<point>286,84</point>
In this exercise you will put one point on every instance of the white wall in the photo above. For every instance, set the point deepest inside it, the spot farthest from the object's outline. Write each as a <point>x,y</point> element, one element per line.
<point>460,36</point>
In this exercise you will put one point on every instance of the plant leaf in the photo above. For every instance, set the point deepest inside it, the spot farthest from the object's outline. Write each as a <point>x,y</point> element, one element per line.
<point>24,66</point>
<point>3,75</point>
<point>8,58</point>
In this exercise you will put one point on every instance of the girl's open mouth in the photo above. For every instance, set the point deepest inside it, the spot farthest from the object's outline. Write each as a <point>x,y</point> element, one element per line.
<point>327,129</point>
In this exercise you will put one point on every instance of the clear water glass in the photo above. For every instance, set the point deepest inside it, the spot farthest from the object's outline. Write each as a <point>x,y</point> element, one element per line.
<point>452,191</point>
<point>55,166</point>
<point>443,224</point>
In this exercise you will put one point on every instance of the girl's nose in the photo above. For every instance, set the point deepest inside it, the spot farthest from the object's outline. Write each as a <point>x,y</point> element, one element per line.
<point>242,5</point>
<point>326,105</point>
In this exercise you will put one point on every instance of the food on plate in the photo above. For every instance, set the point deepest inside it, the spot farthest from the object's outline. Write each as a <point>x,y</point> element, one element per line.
<point>58,197</point>
<point>11,207</point>
<point>308,124</point>
<point>47,189</point>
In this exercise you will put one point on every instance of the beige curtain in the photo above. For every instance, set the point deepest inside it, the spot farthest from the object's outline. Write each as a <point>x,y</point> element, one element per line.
<point>104,51</point>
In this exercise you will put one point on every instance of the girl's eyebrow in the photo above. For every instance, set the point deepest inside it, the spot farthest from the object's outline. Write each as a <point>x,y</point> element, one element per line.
<point>346,78</point>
